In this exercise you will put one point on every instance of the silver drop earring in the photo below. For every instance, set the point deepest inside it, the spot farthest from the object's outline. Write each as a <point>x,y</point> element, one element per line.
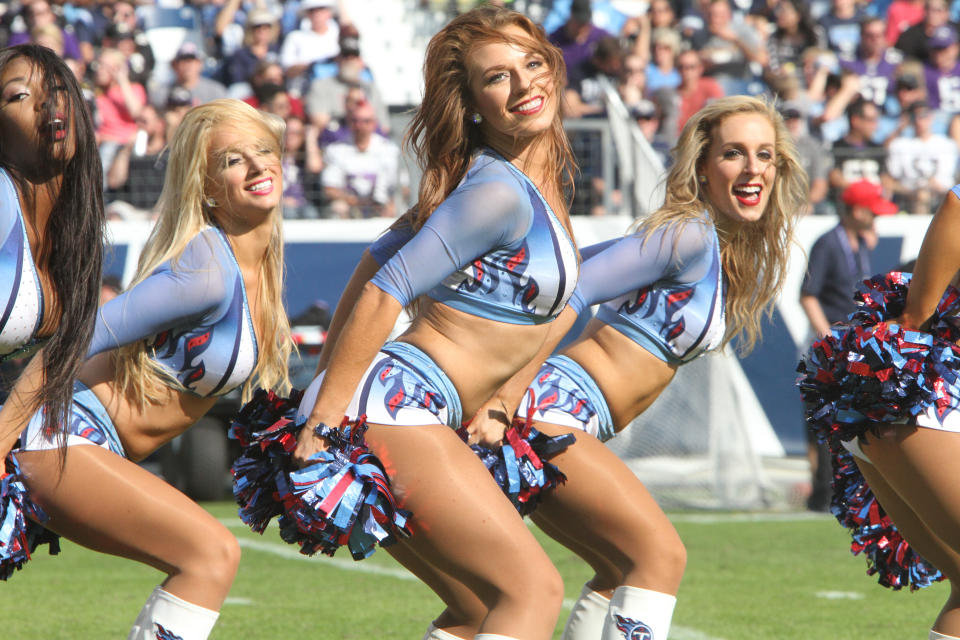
<point>476,118</point>
<point>702,179</point>
<point>210,202</point>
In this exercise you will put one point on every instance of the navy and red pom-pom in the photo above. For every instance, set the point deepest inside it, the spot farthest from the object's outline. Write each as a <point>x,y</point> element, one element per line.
<point>19,535</point>
<point>519,465</point>
<point>888,555</point>
<point>869,371</point>
<point>342,497</point>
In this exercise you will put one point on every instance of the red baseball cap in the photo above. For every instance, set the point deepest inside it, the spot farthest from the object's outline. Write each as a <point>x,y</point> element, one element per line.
<point>864,193</point>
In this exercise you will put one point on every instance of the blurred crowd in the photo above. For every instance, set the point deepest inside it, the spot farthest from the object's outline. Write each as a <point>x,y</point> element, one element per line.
<point>298,60</point>
<point>870,90</point>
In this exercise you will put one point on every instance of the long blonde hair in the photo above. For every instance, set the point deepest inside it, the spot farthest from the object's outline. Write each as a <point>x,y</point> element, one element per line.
<point>183,215</point>
<point>440,134</point>
<point>754,257</point>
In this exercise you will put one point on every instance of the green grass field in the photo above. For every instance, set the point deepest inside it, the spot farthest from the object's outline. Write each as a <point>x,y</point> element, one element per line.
<point>778,576</point>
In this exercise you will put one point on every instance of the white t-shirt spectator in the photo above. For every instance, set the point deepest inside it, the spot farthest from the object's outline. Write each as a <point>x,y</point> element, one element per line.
<point>371,175</point>
<point>305,46</point>
<point>913,162</point>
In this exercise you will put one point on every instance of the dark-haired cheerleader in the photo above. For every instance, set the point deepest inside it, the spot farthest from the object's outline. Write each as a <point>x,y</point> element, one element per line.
<point>51,229</point>
<point>51,239</point>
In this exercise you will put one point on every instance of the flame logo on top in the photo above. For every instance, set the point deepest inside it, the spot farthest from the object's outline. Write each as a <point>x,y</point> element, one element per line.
<point>674,300</point>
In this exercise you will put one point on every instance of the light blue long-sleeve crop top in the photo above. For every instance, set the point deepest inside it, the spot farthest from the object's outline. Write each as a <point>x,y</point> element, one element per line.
<point>194,315</point>
<point>20,291</point>
<point>665,290</point>
<point>493,249</point>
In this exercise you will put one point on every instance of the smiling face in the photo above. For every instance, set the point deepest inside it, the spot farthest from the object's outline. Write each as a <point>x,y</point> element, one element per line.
<point>32,130</point>
<point>740,166</point>
<point>511,88</point>
<point>243,173</point>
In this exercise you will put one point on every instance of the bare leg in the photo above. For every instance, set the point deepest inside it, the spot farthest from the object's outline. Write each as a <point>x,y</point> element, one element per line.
<point>922,539</point>
<point>607,576</point>
<point>619,546</point>
<point>465,612</point>
<point>469,530</point>
<point>913,477</point>
<point>606,512</point>
<point>107,503</point>
<point>605,515</point>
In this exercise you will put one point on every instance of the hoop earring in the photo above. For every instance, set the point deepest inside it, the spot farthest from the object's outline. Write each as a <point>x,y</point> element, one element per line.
<point>476,118</point>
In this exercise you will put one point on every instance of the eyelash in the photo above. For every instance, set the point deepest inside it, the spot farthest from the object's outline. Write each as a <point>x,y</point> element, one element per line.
<point>16,96</point>
<point>533,64</point>
<point>231,161</point>
<point>763,155</point>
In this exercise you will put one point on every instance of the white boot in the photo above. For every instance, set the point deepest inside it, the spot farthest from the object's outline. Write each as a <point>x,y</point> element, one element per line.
<point>634,611</point>
<point>439,634</point>
<point>166,617</point>
<point>587,616</point>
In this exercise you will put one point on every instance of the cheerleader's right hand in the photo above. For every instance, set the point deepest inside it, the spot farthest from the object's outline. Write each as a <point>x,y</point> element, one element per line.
<point>487,426</point>
<point>308,443</point>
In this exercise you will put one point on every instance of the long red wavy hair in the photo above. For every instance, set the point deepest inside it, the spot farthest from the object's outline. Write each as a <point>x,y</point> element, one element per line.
<point>440,134</point>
